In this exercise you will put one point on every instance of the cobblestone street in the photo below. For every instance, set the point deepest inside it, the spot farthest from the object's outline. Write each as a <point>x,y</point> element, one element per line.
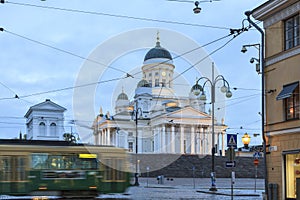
<point>189,188</point>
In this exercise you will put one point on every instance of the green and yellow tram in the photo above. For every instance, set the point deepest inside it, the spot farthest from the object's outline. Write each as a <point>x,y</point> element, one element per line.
<point>60,168</point>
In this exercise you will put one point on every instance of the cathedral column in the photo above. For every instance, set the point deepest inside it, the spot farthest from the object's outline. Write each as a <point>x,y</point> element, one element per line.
<point>158,140</point>
<point>99,137</point>
<point>223,143</point>
<point>104,136</point>
<point>163,141</point>
<point>108,136</point>
<point>173,139</point>
<point>192,140</point>
<point>117,138</point>
<point>182,150</point>
<point>155,140</point>
<point>201,140</point>
<point>140,142</point>
<point>204,141</point>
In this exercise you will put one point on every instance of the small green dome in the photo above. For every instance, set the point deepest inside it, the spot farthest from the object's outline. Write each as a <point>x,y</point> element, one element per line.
<point>122,96</point>
<point>143,83</point>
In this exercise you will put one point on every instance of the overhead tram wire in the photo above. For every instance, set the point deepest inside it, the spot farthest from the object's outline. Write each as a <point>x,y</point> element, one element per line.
<point>100,82</point>
<point>187,52</point>
<point>72,87</point>
<point>232,32</point>
<point>16,96</point>
<point>73,54</point>
<point>62,89</point>
<point>115,15</point>
<point>239,31</point>
<point>127,75</point>
<point>90,60</point>
<point>216,50</point>
<point>241,101</point>
<point>61,50</point>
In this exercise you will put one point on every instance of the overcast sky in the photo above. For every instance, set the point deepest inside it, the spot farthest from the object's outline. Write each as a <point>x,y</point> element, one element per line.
<point>46,44</point>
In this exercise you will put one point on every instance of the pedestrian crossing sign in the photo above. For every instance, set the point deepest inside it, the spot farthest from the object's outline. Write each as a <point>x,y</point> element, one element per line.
<point>232,140</point>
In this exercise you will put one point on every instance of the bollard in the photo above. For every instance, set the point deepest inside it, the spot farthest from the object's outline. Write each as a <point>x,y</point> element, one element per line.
<point>160,179</point>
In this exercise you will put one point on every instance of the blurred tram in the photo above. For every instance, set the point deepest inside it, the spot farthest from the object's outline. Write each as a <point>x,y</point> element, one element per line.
<point>60,168</point>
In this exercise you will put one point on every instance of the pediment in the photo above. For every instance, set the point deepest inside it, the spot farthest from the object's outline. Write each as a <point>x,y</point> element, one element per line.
<point>46,106</point>
<point>188,112</point>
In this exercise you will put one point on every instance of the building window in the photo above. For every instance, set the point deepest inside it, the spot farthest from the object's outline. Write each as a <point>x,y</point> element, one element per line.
<point>292,32</point>
<point>163,84</point>
<point>156,82</point>
<point>292,105</point>
<point>290,96</point>
<point>53,129</point>
<point>150,82</point>
<point>130,146</point>
<point>42,129</point>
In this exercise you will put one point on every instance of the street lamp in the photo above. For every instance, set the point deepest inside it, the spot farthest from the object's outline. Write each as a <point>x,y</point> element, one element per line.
<point>246,140</point>
<point>252,60</point>
<point>134,114</point>
<point>197,89</point>
<point>70,137</point>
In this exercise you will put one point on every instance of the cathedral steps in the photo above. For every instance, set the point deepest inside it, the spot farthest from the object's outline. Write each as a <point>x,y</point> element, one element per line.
<point>187,166</point>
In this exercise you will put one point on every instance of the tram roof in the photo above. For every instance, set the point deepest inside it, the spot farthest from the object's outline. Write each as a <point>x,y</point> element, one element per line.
<point>42,142</point>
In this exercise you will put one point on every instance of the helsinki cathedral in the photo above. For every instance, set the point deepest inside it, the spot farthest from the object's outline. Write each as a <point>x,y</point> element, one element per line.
<point>154,120</point>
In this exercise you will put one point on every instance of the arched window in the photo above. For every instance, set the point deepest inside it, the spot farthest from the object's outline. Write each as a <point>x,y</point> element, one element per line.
<point>53,129</point>
<point>42,129</point>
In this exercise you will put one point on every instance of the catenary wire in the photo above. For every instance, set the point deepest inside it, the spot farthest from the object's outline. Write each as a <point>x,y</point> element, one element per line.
<point>116,15</point>
<point>73,54</point>
<point>61,50</point>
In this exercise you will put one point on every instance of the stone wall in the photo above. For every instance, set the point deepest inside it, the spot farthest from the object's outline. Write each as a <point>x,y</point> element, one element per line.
<point>187,166</point>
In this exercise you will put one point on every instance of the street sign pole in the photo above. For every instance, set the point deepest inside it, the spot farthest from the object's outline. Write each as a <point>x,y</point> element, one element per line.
<point>232,182</point>
<point>231,144</point>
<point>255,178</point>
<point>255,162</point>
<point>232,156</point>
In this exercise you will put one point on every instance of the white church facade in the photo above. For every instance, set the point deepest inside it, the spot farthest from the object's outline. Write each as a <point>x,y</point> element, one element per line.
<point>45,121</point>
<point>156,120</point>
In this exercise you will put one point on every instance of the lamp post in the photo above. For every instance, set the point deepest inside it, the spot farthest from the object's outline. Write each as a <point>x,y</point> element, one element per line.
<point>257,46</point>
<point>70,137</point>
<point>135,113</point>
<point>197,89</point>
<point>246,140</point>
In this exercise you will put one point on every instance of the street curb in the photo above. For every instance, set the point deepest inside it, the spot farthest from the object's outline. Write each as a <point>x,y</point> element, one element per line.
<point>225,194</point>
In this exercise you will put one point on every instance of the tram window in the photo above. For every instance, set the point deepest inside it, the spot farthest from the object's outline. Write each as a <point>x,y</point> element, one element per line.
<point>38,160</point>
<point>6,168</point>
<point>114,169</point>
<point>119,173</point>
<point>13,168</point>
<point>21,165</point>
<point>88,163</point>
<point>108,172</point>
<point>68,161</point>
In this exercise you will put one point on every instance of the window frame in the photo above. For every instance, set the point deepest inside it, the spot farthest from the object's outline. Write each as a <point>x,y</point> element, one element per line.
<point>291,106</point>
<point>292,32</point>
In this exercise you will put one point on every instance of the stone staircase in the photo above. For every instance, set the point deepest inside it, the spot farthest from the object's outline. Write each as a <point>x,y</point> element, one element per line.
<point>188,166</point>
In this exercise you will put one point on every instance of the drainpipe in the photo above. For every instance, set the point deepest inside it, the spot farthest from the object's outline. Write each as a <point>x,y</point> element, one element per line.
<point>248,13</point>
